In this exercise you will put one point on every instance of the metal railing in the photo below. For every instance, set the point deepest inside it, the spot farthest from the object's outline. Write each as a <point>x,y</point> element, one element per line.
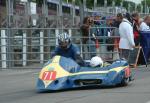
<point>31,47</point>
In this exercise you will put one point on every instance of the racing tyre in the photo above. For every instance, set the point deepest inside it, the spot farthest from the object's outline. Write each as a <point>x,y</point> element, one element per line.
<point>125,82</point>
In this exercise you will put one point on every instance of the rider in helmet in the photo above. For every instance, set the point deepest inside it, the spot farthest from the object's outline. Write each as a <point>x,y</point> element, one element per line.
<point>96,62</point>
<point>67,49</point>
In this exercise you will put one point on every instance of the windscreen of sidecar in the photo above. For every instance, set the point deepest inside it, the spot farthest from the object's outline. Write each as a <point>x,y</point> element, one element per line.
<point>68,64</point>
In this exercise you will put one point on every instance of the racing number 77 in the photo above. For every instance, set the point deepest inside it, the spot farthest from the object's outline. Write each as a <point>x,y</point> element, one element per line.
<point>49,75</point>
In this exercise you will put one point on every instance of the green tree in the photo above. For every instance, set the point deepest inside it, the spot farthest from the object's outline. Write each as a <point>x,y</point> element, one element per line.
<point>90,3</point>
<point>147,2</point>
<point>132,5</point>
<point>118,2</point>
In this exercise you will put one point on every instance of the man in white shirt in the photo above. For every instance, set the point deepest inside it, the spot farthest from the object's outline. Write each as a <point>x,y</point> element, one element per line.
<point>126,42</point>
<point>145,24</point>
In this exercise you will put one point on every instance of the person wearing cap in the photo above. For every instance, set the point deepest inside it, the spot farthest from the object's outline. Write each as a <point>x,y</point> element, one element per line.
<point>67,49</point>
<point>126,43</point>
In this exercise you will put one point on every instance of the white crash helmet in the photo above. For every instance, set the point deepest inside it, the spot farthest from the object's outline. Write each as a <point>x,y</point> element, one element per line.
<point>96,61</point>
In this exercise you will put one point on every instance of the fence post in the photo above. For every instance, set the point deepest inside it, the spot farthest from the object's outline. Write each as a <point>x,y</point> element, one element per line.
<point>41,47</point>
<point>70,32</point>
<point>56,35</point>
<point>24,49</point>
<point>116,51</point>
<point>97,48</point>
<point>81,48</point>
<point>3,48</point>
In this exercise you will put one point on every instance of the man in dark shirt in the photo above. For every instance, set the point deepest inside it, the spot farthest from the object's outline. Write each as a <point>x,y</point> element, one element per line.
<point>67,49</point>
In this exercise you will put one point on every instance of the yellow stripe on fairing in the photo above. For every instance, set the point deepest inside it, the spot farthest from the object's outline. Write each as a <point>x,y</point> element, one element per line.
<point>118,69</point>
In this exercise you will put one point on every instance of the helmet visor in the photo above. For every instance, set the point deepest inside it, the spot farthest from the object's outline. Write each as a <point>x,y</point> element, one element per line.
<point>63,45</point>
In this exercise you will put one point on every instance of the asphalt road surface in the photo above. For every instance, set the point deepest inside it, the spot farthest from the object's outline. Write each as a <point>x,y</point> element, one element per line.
<point>18,86</point>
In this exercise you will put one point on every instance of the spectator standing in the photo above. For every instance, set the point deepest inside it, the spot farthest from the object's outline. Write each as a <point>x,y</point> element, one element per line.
<point>145,24</point>
<point>136,28</point>
<point>85,29</point>
<point>118,20</point>
<point>116,24</point>
<point>126,43</point>
<point>145,37</point>
<point>87,38</point>
<point>115,32</point>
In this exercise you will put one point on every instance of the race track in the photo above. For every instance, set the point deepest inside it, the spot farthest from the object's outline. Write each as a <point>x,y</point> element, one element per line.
<point>18,86</point>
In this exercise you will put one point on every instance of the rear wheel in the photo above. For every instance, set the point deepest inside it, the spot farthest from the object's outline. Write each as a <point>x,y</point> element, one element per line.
<point>124,82</point>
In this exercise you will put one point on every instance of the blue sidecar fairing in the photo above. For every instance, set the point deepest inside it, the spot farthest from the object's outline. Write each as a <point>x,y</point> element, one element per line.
<point>64,73</point>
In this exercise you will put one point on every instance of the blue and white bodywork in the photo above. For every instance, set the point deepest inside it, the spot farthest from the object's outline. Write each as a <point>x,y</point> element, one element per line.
<point>65,73</point>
